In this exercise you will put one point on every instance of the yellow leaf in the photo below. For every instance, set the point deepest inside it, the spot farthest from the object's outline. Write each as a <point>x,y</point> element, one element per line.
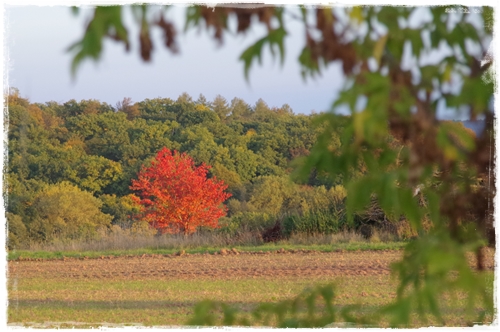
<point>378,50</point>
<point>251,132</point>
<point>450,152</point>
<point>447,74</point>
<point>356,14</point>
<point>201,107</point>
<point>359,128</point>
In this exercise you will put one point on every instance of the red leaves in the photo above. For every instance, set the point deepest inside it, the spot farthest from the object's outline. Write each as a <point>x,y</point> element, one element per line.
<point>176,196</point>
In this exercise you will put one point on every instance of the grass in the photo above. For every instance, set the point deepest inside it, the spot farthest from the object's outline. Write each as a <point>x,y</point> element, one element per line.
<point>158,302</point>
<point>349,246</point>
<point>92,303</point>
<point>150,302</point>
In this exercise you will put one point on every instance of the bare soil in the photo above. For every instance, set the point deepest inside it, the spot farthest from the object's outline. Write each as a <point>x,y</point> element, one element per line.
<point>226,264</point>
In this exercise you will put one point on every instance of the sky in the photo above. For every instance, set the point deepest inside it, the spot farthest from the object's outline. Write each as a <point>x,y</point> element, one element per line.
<point>38,64</point>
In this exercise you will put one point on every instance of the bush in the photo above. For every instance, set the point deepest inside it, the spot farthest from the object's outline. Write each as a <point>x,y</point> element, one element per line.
<point>18,234</point>
<point>317,222</point>
<point>251,221</point>
<point>121,208</point>
<point>228,226</point>
<point>374,219</point>
<point>64,212</point>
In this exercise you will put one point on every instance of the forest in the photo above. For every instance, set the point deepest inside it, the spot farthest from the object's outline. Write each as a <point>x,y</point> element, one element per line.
<point>71,165</point>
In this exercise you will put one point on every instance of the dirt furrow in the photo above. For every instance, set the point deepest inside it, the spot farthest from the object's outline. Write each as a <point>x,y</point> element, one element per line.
<point>215,266</point>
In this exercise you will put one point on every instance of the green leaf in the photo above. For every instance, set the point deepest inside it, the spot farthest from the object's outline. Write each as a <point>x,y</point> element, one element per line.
<point>479,94</point>
<point>410,208</point>
<point>193,15</point>
<point>488,19</point>
<point>358,195</point>
<point>416,40</point>
<point>449,150</point>
<point>229,315</point>
<point>434,204</point>
<point>309,66</point>
<point>388,195</point>
<point>470,31</point>
<point>388,16</point>
<point>107,19</point>
<point>400,312</point>
<point>430,296</point>
<point>274,38</point>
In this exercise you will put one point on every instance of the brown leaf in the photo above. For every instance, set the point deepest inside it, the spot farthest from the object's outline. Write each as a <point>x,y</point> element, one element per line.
<point>216,18</point>
<point>169,34</point>
<point>146,45</point>
<point>244,17</point>
<point>116,38</point>
<point>265,15</point>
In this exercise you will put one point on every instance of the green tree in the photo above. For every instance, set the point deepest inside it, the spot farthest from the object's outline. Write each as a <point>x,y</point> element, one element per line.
<point>384,95</point>
<point>239,110</point>
<point>158,109</point>
<point>121,208</point>
<point>89,107</point>
<point>269,193</point>
<point>104,134</point>
<point>221,107</point>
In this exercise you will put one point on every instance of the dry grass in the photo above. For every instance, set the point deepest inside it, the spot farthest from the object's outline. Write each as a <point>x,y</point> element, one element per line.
<point>119,239</point>
<point>341,237</point>
<point>144,238</point>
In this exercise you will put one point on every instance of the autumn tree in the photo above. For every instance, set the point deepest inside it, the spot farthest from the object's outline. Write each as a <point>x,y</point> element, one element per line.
<point>128,107</point>
<point>176,195</point>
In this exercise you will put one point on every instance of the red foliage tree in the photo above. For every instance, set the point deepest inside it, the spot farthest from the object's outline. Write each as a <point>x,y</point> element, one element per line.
<point>176,196</point>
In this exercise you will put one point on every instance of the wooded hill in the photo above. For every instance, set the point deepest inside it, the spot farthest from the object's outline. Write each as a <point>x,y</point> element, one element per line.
<point>70,165</point>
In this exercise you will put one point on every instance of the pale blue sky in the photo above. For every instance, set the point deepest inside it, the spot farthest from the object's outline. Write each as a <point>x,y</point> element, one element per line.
<point>36,40</point>
<point>37,37</point>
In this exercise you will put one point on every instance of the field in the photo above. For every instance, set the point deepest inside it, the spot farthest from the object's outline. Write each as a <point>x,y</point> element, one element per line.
<point>161,290</point>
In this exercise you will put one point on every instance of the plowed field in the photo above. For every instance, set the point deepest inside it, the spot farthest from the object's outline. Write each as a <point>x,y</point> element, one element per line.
<point>230,266</point>
<point>162,289</point>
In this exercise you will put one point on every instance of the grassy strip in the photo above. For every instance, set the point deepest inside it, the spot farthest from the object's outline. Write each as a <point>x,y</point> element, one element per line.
<point>353,246</point>
<point>158,302</point>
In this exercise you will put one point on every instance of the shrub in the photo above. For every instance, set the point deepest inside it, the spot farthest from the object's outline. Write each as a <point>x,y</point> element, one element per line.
<point>274,233</point>
<point>313,223</point>
<point>63,211</point>
<point>18,234</point>
<point>121,208</point>
<point>228,225</point>
<point>252,221</point>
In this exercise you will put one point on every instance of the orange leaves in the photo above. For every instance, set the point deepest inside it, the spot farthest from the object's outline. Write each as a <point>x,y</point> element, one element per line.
<point>176,195</point>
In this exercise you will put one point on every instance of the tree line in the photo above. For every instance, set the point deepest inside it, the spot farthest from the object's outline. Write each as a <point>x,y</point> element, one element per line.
<point>71,165</point>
